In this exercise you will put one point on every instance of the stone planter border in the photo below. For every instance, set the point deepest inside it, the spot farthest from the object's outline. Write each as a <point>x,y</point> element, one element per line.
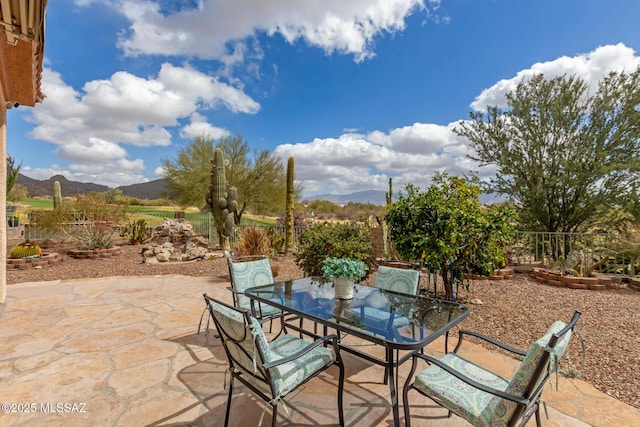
<point>94,254</point>
<point>45,260</point>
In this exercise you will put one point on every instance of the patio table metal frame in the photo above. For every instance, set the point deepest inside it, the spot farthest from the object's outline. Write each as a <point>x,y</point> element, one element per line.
<point>396,321</point>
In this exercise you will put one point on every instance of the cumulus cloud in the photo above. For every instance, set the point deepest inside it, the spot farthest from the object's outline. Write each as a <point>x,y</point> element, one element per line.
<point>354,161</point>
<point>199,126</point>
<point>591,67</point>
<point>412,154</point>
<point>95,124</point>
<point>333,25</point>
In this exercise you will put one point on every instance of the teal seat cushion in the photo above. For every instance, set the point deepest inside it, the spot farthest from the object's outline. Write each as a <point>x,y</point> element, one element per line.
<point>245,275</point>
<point>379,318</point>
<point>476,406</point>
<point>288,376</point>
<point>249,349</point>
<point>456,395</point>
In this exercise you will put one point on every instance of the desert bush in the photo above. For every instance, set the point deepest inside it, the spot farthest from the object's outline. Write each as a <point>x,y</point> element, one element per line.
<point>254,241</point>
<point>324,240</point>
<point>276,240</point>
<point>135,232</point>
<point>88,221</point>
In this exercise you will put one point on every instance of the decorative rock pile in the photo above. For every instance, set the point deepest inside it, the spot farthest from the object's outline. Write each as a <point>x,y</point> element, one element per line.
<point>174,240</point>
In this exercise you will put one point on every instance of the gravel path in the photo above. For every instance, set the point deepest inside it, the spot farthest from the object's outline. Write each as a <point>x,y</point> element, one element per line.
<point>516,312</point>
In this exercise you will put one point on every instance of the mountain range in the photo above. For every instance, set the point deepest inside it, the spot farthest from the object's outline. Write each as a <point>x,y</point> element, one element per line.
<point>148,190</point>
<point>158,190</point>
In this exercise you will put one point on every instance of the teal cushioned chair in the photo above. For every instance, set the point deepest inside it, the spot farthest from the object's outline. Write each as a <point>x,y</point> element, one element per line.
<point>482,397</point>
<point>396,279</point>
<point>270,369</point>
<point>247,272</point>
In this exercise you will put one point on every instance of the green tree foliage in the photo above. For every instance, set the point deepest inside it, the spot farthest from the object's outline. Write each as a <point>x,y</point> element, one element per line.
<point>18,192</point>
<point>323,240</point>
<point>448,229</point>
<point>563,151</point>
<point>259,176</point>
<point>12,172</point>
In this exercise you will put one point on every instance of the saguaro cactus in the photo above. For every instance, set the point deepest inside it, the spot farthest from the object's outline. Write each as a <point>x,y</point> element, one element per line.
<point>221,201</point>
<point>57,195</point>
<point>288,218</point>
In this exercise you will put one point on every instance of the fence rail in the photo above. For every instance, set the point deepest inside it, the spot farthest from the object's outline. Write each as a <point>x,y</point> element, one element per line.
<point>584,252</point>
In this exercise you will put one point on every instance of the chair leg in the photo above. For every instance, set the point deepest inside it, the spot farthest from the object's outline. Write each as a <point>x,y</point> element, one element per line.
<point>226,416</point>
<point>405,403</point>
<point>538,420</point>
<point>340,393</point>
<point>274,417</point>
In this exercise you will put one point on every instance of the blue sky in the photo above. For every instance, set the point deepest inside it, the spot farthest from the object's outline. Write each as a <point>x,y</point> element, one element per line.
<point>356,91</point>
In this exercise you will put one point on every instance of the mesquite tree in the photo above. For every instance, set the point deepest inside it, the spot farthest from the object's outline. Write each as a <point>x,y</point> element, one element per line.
<point>564,152</point>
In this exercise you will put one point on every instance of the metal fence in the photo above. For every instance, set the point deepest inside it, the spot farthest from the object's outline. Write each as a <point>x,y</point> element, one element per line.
<point>203,224</point>
<point>554,250</point>
<point>581,252</point>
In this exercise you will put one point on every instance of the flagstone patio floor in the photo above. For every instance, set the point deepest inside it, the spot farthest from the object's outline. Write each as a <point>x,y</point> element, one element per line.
<point>124,351</point>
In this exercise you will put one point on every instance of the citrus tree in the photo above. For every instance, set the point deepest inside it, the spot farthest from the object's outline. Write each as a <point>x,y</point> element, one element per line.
<point>447,229</point>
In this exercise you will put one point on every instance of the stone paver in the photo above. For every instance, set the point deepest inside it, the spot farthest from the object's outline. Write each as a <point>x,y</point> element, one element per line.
<point>125,351</point>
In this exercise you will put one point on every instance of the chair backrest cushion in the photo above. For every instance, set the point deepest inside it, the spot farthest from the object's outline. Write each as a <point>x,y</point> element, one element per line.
<point>249,274</point>
<point>397,279</point>
<point>524,375</point>
<point>244,340</point>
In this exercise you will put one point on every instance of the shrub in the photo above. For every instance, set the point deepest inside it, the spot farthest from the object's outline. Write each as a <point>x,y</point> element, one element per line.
<point>323,240</point>
<point>135,232</point>
<point>254,241</point>
<point>275,239</point>
<point>89,221</point>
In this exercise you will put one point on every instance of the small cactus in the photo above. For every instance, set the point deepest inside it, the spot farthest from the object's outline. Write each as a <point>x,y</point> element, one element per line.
<point>57,195</point>
<point>24,250</point>
<point>288,223</point>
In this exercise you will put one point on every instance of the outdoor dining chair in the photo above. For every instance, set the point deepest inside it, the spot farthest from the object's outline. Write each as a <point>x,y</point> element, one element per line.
<point>396,279</point>
<point>482,397</point>
<point>248,272</point>
<point>271,369</point>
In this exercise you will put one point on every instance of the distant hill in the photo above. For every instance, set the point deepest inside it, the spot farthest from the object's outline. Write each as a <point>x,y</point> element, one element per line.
<point>149,190</point>
<point>375,197</point>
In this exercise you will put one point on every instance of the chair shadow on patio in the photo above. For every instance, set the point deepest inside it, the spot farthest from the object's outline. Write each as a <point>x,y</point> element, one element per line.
<point>365,399</point>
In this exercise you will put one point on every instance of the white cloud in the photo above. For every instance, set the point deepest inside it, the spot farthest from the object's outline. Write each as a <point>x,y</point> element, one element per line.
<point>591,67</point>
<point>207,30</point>
<point>199,126</point>
<point>95,125</point>
<point>355,162</point>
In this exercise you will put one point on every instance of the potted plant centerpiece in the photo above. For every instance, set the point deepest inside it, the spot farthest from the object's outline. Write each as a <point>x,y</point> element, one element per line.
<point>343,272</point>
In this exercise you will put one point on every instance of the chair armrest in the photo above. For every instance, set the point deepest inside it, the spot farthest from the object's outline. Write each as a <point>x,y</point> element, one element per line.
<point>235,291</point>
<point>301,352</point>
<point>463,332</point>
<point>473,383</point>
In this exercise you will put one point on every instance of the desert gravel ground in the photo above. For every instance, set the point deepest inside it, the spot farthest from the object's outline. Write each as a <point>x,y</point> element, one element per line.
<point>516,312</point>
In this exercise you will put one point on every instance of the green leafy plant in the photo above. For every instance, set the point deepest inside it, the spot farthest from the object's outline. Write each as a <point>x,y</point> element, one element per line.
<point>135,232</point>
<point>449,230</point>
<point>350,268</point>
<point>325,240</point>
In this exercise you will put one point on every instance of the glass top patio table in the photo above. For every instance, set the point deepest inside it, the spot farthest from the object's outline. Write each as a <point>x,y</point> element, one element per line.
<point>394,320</point>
